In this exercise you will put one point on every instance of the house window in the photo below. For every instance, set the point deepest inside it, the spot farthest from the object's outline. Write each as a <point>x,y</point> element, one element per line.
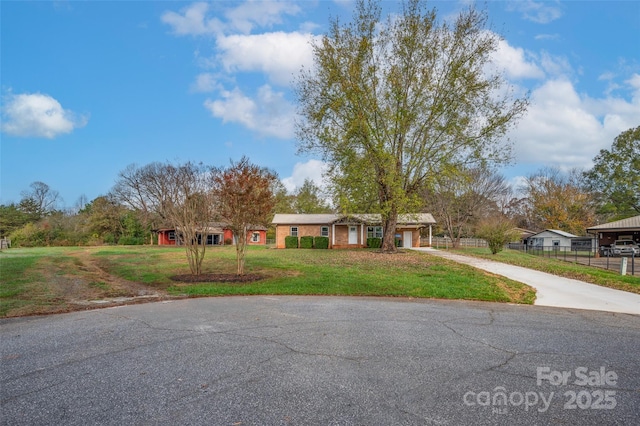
<point>374,231</point>
<point>209,240</point>
<point>255,237</point>
<point>171,235</point>
<point>556,243</point>
<point>294,231</point>
<point>324,231</point>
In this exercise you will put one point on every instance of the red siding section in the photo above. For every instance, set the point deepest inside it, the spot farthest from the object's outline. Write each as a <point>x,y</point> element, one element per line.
<point>163,238</point>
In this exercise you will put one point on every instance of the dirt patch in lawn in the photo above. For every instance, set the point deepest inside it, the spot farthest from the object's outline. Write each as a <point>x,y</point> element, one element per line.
<point>76,282</point>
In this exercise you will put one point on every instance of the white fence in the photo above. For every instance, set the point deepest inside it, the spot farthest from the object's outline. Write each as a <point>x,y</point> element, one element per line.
<point>445,242</point>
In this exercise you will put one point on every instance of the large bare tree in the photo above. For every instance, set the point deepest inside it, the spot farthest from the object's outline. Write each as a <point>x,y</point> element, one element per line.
<point>461,198</point>
<point>40,200</point>
<point>180,195</point>
<point>244,196</point>
<point>391,103</point>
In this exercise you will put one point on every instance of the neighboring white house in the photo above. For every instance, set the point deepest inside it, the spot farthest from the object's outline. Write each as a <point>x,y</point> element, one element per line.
<point>550,239</point>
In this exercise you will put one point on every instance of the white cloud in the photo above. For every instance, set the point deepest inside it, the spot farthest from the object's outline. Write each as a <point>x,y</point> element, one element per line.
<point>515,62</point>
<point>38,115</point>
<point>269,114</point>
<point>565,129</point>
<point>280,55</point>
<point>547,37</point>
<point>192,21</point>
<point>555,65</point>
<point>259,13</point>
<point>634,82</point>
<point>205,82</point>
<point>539,12</point>
<point>312,169</point>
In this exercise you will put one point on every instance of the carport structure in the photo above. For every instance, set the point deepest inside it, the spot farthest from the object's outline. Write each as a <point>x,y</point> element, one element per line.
<point>625,229</point>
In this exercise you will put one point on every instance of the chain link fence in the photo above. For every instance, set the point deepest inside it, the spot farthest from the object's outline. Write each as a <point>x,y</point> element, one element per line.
<point>604,260</point>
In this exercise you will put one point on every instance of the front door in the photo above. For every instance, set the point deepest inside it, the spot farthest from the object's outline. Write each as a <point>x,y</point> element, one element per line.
<point>353,235</point>
<point>407,239</point>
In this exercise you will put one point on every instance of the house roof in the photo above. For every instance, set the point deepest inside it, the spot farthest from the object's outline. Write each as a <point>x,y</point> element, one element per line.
<point>326,219</point>
<point>214,228</point>
<point>556,231</point>
<point>630,222</point>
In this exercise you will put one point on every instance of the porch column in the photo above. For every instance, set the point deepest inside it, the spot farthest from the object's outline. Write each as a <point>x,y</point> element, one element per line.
<point>333,235</point>
<point>362,234</point>
<point>430,235</point>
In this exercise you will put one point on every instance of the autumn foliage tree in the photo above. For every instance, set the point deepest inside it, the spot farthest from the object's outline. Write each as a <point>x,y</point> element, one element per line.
<point>555,200</point>
<point>243,194</point>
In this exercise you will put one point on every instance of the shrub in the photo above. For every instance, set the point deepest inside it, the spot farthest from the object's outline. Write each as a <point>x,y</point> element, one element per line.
<point>497,232</point>
<point>306,242</point>
<point>374,242</point>
<point>321,242</point>
<point>228,241</point>
<point>290,242</point>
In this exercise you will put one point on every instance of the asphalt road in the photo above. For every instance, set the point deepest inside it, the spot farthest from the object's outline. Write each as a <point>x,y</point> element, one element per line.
<point>321,361</point>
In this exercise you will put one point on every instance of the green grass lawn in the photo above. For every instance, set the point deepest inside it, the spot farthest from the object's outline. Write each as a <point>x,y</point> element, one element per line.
<point>63,273</point>
<point>21,282</point>
<point>594,275</point>
<point>326,272</point>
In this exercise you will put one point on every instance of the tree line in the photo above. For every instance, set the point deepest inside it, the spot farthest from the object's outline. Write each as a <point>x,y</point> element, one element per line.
<point>462,200</point>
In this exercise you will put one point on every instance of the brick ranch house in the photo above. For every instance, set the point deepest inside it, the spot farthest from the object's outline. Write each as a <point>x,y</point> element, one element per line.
<point>350,231</point>
<point>216,234</point>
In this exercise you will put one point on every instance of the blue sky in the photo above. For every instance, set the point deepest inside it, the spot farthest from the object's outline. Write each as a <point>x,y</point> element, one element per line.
<point>88,88</point>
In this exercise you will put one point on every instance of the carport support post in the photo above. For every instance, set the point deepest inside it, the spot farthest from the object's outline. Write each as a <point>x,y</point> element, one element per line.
<point>623,265</point>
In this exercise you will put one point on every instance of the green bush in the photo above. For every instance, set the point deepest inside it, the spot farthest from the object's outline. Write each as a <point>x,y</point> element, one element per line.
<point>321,242</point>
<point>374,242</point>
<point>291,242</point>
<point>306,242</point>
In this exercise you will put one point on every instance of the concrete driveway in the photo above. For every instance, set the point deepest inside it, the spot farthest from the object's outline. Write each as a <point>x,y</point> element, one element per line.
<point>321,361</point>
<point>552,290</point>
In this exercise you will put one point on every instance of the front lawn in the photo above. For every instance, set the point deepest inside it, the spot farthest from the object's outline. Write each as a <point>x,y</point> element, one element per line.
<point>103,272</point>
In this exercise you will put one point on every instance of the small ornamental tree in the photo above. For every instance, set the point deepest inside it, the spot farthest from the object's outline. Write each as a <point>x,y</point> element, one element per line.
<point>497,232</point>
<point>243,196</point>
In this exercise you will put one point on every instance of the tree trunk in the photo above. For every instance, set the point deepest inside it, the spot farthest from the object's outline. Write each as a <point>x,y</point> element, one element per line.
<point>241,246</point>
<point>389,238</point>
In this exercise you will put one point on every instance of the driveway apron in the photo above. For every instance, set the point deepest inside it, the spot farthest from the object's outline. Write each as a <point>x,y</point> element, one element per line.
<point>552,290</point>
